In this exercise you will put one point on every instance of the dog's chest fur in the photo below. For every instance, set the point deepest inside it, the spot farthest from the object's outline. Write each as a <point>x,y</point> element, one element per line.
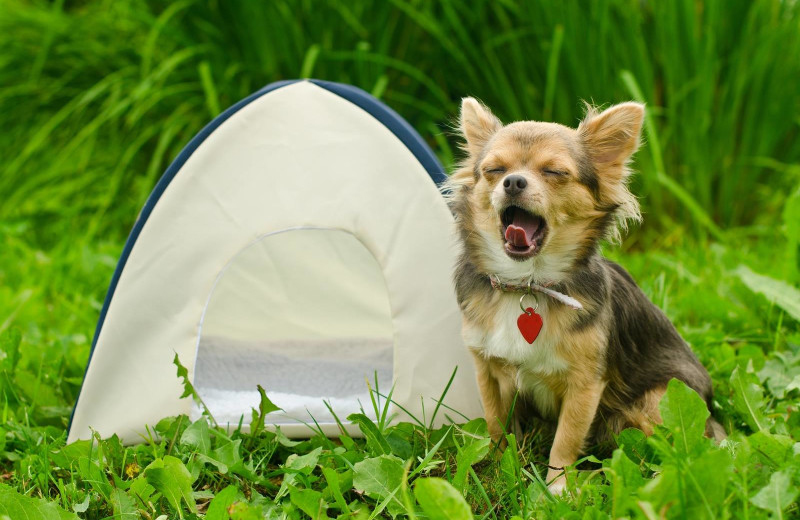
<point>535,363</point>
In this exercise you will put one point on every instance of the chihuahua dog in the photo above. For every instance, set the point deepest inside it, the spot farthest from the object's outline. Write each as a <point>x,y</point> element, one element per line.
<point>533,201</point>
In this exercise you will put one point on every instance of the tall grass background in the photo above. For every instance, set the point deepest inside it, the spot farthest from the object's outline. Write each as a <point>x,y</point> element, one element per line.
<point>97,97</point>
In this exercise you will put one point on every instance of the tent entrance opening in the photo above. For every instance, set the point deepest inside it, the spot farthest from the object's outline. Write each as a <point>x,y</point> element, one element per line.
<point>304,313</point>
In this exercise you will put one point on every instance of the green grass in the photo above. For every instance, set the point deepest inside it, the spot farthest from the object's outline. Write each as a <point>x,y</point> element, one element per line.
<point>98,96</point>
<point>750,346</point>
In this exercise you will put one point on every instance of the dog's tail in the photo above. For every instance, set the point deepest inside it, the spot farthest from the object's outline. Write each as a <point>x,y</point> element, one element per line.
<point>714,430</point>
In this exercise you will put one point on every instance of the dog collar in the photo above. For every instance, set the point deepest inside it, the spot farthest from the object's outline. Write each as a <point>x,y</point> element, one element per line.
<point>531,287</point>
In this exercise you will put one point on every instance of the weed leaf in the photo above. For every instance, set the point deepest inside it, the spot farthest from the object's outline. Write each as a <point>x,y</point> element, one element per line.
<point>380,477</point>
<point>781,373</point>
<point>692,491</point>
<point>475,430</point>
<point>777,291</point>
<point>748,399</point>
<point>634,443</point>
<point>440,500</point>
<point>86,458</point>
<point>626,470</point>
<point>467,456</point>
<point>183,373</point>
<point>777,495</point>
<point>774,450</point>
<point>707,479</point>
<point>227,457</point>
<point>399,444</point>
<point>684,413</point>
<point>218,508</point>
<point>265,406</point>
<point>310,502</point>
<point>283,440</point>
<point>197,436</point>
<point>124,506</point>
<point>171,427</point>
<point>426,462</point>
<point>189,390</point>
<point>13,505</point>
<point>245,511</point>
<point>84,506</point>
<point>295,464</point>
<point>228,452</point>
<point>171,478</point>
<point>142,490</point>
<point>509,463</point>
<point>335,488</point>
<point>375,440</point>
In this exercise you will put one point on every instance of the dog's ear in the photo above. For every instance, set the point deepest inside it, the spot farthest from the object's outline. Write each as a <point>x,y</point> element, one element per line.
<point>478,124</point>
<point>612,136</point>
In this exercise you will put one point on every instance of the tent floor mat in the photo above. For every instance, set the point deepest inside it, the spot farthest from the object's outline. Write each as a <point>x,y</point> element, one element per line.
<point>297,375</point>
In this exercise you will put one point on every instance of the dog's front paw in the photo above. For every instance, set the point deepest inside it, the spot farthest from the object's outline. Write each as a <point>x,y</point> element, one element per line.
<point>558,487</point>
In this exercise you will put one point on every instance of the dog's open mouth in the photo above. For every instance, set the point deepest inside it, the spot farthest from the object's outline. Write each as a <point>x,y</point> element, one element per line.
<point>523,232</point>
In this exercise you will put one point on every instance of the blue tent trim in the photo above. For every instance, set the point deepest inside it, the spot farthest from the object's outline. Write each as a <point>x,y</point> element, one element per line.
<point>380,111</point>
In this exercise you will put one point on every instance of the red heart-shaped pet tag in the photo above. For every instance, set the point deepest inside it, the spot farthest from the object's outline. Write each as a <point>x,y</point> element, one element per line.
<point>529,325</point>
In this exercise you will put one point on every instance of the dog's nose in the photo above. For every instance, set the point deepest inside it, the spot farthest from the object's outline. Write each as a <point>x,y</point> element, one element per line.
<point>514,184</point>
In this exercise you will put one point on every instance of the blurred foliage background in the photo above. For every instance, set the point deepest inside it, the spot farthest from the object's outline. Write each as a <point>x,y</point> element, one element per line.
<point>98,96</point>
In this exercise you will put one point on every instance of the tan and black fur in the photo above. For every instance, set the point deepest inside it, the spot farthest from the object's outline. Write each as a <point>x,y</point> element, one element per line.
<point>592,371</point>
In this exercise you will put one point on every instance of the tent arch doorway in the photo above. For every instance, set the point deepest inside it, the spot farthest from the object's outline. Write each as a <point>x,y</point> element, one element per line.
<point>304,312</point>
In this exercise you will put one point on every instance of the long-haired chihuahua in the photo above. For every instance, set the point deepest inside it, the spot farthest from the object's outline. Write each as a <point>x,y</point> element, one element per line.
<point>549,321</point>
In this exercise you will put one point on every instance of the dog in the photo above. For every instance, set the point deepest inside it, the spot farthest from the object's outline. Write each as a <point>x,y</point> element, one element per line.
<point>533,202</point>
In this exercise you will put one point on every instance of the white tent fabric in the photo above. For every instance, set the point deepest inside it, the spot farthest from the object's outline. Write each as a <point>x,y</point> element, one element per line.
<point>297,243</point>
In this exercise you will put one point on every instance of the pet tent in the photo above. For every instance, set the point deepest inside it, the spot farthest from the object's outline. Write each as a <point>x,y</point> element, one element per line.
<point>299,242</point>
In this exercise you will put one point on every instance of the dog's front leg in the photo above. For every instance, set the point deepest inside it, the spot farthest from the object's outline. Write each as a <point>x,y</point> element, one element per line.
<point>496,383</point>
<point>578,408</point>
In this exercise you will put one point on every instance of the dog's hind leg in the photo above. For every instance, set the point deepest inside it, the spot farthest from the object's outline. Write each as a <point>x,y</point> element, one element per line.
<point>644,414</point>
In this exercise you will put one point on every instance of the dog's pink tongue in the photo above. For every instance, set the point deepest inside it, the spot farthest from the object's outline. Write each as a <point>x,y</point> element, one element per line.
<point>517,236</point>
<point>520,232</point>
